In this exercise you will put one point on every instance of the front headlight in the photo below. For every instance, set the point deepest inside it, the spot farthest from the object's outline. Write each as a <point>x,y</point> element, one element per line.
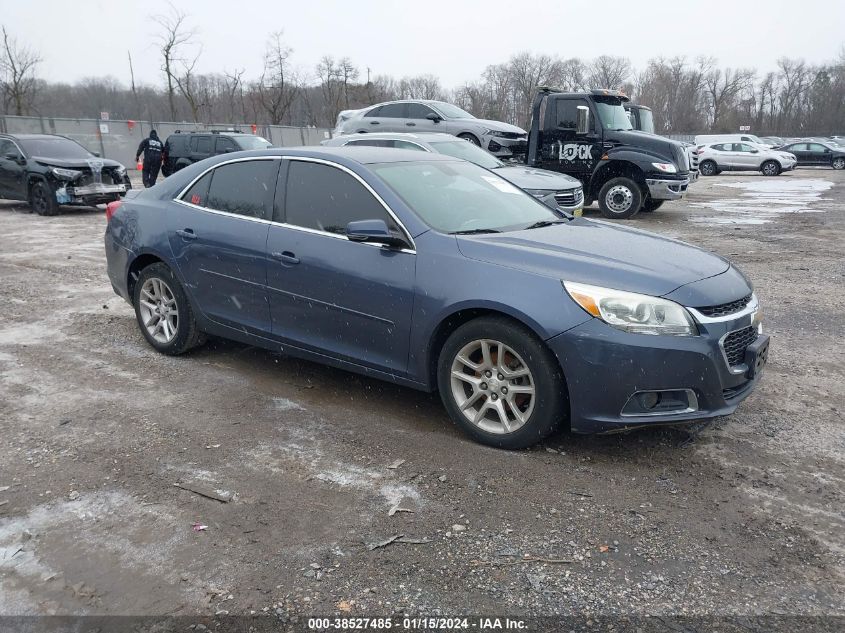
<point>538,193</point>
<point>666,168</point>
<point>496,133</point>
<point>631,312</point>
<point>121,170</point>
<point>65,174</point>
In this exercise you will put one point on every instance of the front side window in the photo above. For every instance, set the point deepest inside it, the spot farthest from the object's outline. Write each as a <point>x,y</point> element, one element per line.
<point>8,148</point>
<point>418,111</point>
<point>456,196</point>
<point>244,188</point>
<point>815,147</point>
<point>567,113</point>
<point>394,111</point>
<point>325,198</point>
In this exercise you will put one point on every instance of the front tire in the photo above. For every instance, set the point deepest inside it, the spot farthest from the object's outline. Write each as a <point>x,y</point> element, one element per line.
<point>708,168</point>
<point>839,163</point>
<point>770,168</point>
<point>471,138</point>
<point>42,199</point>
<point>620,198</point>
<point>500,384</point>
<point>164,312</point>
<point>651,205</point>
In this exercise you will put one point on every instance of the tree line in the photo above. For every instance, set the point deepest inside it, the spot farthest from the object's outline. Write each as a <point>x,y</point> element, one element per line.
<point>687,95</point>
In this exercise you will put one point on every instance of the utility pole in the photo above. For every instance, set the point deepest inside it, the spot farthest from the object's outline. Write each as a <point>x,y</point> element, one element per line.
<point>132,78</point>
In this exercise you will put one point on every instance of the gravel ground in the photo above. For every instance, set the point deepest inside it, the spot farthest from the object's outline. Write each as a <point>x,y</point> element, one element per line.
<point>740,517</point>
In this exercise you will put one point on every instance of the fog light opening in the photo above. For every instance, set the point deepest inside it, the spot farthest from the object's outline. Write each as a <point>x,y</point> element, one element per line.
<point>662,402</point>
<point>649,399</point>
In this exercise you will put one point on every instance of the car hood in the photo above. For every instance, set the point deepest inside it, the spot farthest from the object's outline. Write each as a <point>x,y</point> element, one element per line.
<point>528,178</point>
<point>498,126</point>
<point>599,253</point>
<point>74,163</point>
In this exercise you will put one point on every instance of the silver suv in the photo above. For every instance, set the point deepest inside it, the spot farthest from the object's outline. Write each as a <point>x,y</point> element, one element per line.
<point>501,139</point>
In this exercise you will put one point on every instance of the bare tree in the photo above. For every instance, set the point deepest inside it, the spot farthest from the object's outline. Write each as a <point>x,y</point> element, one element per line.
<point>723,88</point>
<point>608,71</point>
<point>173,37</point>
<point>277,87</point>
<point>17,74</point>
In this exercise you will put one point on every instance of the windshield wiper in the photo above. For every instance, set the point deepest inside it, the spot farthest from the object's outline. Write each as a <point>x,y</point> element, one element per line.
<point>542,223</point>
<point>475,231</point>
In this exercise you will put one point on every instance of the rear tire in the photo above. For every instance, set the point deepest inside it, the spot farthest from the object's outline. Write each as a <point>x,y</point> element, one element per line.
<point>471,138</point>
<point>517,377</point>
<point>163,311</point>
<point>770,168</point>
<point>651,205</point>
<point>42,199</point>
<point>708,168</point>
<point>620,198</point>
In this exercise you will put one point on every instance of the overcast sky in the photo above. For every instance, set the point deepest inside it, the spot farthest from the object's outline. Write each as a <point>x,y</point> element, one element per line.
<point>453,40</point>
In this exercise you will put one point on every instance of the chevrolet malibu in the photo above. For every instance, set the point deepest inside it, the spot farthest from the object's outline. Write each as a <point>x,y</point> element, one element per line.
<point>434,273</point>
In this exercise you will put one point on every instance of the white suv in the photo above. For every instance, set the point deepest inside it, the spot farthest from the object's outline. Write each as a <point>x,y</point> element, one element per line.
<point>716,157</point>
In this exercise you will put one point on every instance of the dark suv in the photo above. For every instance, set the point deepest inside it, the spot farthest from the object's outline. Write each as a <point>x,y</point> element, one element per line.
<point>185,148</point>
<point>48,170</point>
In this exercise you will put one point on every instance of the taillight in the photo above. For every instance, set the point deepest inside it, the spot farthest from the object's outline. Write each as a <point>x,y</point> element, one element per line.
<point>111,208</point>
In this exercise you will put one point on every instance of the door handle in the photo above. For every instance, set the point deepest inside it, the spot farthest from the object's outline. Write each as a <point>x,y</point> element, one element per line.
<point>410,124</point>
<point>374,122</point>
<point>186,234</point>
<point>285,257</point>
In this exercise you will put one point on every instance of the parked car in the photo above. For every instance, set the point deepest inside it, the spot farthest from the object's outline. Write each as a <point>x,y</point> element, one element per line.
<point>435,273</point>
<point>705,139</point>
<point>185,148</point>
<point>717,157</point>
<point>817,154</point>
<point>501,139</point>
<point>772,141</point>
<point>48,170</point>
<point>559,191</point>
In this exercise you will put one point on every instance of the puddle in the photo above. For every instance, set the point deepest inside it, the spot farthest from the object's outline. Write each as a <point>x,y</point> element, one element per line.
<point>761,201</point>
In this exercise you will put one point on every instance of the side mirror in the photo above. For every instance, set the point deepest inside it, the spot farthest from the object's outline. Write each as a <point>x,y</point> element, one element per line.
<point>755,151</point>
<point>433,116</point>
<point>13,156</point>
<point>97,154</point>
<point>373,231</point>
<point>582,124</point>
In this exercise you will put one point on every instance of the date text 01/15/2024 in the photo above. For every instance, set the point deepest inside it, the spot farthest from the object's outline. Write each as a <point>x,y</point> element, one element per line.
<point>415,624</point>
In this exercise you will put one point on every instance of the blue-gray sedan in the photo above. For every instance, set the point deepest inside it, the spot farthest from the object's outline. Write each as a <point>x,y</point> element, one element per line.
<point>435,273</point>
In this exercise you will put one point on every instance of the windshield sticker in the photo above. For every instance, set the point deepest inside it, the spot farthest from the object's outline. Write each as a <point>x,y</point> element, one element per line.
<point>502,185</point>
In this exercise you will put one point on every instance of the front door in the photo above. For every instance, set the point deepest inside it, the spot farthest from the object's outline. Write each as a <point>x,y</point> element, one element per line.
<point>417,121</point>
<point>12,173</point>
<point>218,235</point>
<point>327,294</point>
<point>818,154</point>
<point>562,149</point>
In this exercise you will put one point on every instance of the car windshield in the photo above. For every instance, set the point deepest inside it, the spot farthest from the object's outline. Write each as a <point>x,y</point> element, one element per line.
<point>467,151</point>
<point>452,112</point>
<point>253,142</point>
<point>54,148</point>
<point>459,197</point>
<point>612,115</point>
<point>647,121</point>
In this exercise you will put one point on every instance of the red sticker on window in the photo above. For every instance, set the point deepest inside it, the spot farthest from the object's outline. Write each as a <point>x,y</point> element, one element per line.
<point>195,199</point>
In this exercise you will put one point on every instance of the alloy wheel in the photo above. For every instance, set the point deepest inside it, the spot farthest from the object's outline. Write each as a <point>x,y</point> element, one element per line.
<point>492,386</point>
<point>839,163</point>
<point>770,169</point>
<point>159,311</point>
<point>619,199</point>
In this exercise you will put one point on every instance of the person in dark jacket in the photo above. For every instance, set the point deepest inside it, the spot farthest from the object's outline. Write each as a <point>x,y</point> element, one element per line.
<point>152,149</point>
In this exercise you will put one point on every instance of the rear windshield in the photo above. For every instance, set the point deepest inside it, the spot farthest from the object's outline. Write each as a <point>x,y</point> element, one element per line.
<point>54,148</point>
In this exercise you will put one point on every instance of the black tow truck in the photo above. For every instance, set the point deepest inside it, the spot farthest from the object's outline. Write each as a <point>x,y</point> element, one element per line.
<point>588,135</point>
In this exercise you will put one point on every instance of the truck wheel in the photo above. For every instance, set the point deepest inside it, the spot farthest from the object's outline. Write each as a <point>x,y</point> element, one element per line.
<point>708,168</point>
<point>42,198</point>
<point>651,205</point>
<point>620,198</point>
<point>471,138</point>
<point>770,168</point>
<point>839,163</point>
<point>501,384</point>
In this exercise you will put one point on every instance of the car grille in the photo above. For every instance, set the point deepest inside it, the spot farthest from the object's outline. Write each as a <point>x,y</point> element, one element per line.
<point>511,135</point>
<point>109,176</point>
<point>736,343</point>
<point>725,309</point>
<point>570,197</point>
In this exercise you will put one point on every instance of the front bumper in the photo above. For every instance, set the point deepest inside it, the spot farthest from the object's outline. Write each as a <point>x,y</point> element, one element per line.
<point>505,147</point>
<point>667,189</point>
<point>607,369</point>
<point>89,195</point>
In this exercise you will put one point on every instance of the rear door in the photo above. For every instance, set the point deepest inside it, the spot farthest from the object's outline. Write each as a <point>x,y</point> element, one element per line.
<point>800,151</point>
<point>201,147</point>
<point>218,235</point>
<point>393,117</point>
<point>12,173</point>
<point>327,294</point>
<point>818,154</point>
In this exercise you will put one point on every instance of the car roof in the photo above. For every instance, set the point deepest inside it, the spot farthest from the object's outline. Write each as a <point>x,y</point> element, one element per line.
<point>424,137</point>
<point>364,155</point>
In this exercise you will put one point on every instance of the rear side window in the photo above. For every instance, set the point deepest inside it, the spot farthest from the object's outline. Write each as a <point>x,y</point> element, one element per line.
<point>326,198</point>
<point>199,192</point>
<point>201,144</point>
<point>394,111</point>
<point>244,188</point>
<point>371,142</point>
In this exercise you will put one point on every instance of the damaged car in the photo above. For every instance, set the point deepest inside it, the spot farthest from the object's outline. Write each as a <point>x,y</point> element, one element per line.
<point>49,170</point>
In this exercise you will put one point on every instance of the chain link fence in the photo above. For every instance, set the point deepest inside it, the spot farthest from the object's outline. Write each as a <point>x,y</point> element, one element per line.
<point>119,140</point>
